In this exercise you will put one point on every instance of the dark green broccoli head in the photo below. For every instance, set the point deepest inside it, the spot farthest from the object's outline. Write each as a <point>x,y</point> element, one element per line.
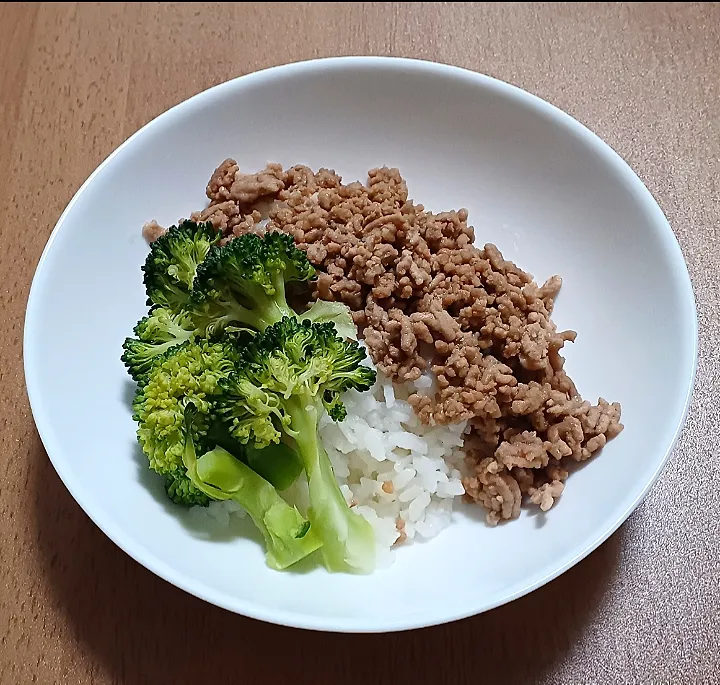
<point>251,259</point>
<point>186,374</point>
<point>243,282</point>
<point>292,361</point>
<point>173,260</point>
<point>156,333</point>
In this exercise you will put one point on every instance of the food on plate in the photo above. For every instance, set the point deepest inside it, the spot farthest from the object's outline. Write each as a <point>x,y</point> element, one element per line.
<point>219,360</point>
<point>289,537</point>
<point>285,380</point>
<point>263,306</point>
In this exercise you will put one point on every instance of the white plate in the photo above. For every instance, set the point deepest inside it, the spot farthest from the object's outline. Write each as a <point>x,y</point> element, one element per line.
<point>547,191</point>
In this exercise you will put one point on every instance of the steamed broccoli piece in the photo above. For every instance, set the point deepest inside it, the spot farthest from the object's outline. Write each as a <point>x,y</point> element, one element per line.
<point>155,334</point>
<point>173,260</point>
<point>242,283</point>
<point>288,535</point>
<point>185,374</point>
<point>285,378</point>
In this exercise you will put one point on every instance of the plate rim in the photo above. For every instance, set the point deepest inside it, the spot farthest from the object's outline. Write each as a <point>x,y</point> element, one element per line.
<point>345,624</point>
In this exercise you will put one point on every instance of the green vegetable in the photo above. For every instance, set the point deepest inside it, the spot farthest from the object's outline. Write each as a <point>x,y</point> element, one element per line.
<point>284,379</point>
<point>279,464</point>
<point>242,283</point>
<point>156,333</point>
<point>288,536</point>
<point>179,489</point>
<point>217,434</point>
<point>185,374</point>
<point>249,402</point>
<point>173,260</point>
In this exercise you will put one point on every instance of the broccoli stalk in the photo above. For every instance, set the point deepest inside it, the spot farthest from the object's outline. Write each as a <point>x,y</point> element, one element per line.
<point>288,536</point>
<point>348,539</point>
<point>277,463</point>
<point>284,379</point>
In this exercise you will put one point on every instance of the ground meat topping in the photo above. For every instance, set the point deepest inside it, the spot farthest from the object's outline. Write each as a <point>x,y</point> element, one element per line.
<point>229,183</point>
<point>152,230</point>
<point>425,299</point>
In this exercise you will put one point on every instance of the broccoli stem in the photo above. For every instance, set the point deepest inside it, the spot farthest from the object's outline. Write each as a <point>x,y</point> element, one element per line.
<point>288,536</point>
<point>348,539</point>
<point>262,310</point>
<point>273,308</point>
<point>277,463</point>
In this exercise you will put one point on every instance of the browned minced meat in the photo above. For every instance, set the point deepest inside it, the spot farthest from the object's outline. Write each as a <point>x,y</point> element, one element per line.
<point>425,298</point>
<point>152,230</point>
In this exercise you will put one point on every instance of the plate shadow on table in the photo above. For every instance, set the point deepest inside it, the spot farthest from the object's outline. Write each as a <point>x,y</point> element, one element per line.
<point>139,629</point>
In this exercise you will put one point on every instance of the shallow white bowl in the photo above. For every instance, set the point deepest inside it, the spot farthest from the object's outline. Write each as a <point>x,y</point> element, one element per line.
<point>547,191</point>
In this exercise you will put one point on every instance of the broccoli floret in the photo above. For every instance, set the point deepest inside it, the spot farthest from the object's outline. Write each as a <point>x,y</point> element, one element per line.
<point>242,283</point>
<point>173,260</point>
<point>161,325</point>
<point>288,536</point>
<point>285,378</point>
<point>156,333</point>
<point>185,374</point>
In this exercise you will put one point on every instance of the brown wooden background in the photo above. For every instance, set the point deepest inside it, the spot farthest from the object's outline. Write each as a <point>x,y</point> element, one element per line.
<point>77,79</point>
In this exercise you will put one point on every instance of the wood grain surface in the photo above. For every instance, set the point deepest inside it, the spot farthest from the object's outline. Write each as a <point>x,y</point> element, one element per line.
<point>78,79</point>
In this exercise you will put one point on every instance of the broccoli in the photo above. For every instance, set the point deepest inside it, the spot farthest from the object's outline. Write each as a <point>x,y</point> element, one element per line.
<point>185,374</point>
<point>156,333</point>
<point>242,283</point>
<point>284,379</point>
<point>288,535</point>
<point>173,260</point>
<point>173,409</point>
<point>276,463</point>
<point>251,412</point>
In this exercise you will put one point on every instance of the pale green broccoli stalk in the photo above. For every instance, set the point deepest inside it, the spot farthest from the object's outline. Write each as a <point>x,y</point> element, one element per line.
<point>285,378</point>
<point>289,537</point>
<point>242,283</point>
<point>169,269</point>
<point>185,374</point>
<point>155,334</point>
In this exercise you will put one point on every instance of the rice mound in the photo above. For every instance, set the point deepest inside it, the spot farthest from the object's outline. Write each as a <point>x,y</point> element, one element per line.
<point>399,473</point>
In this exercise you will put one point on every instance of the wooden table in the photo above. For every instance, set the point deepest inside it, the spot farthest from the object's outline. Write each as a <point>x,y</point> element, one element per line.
<point>77,79</point>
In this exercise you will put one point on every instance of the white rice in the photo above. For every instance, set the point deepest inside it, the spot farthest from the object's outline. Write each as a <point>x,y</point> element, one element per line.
<point>381,446</point>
